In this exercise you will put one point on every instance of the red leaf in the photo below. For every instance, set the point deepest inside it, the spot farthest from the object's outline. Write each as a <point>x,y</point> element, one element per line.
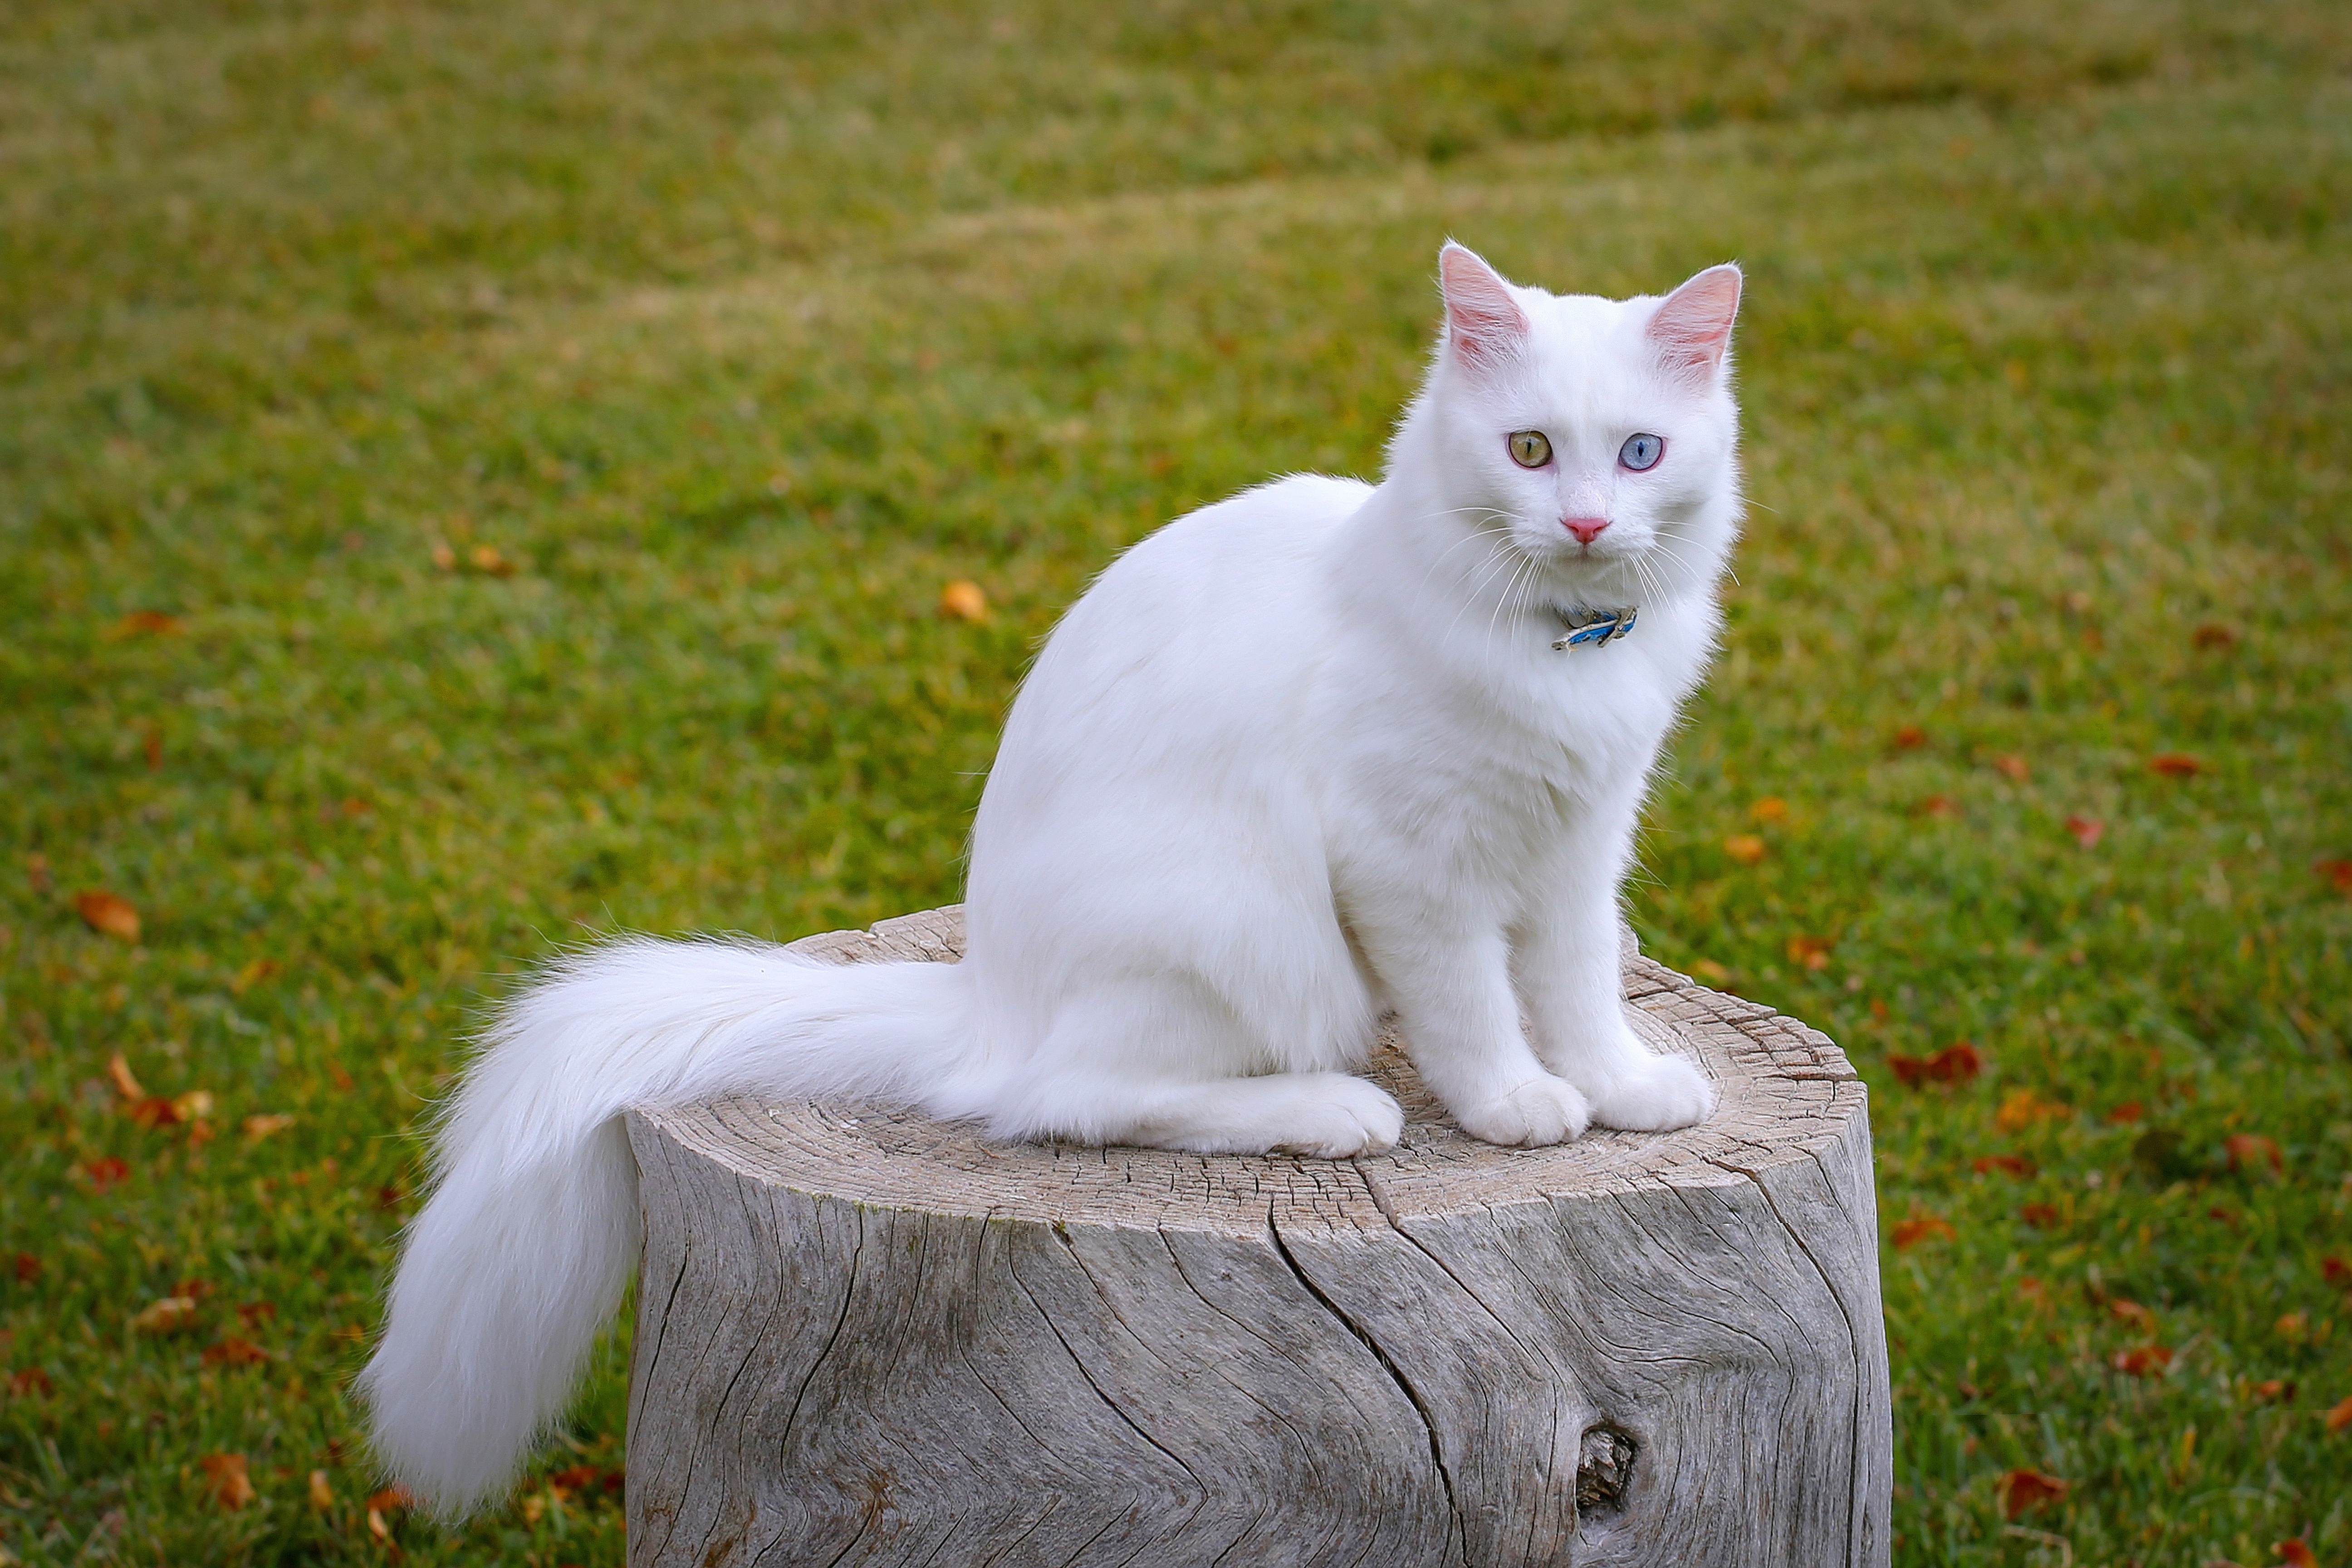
<point>2087,830</point>
<point>2212,634</point>
<point>1941,805</point>
<point>2148,1361</point>
<point>142,623</point>
<point>2016,1165</point>
<point>2176,765</point>
<point>235,1352</point>
<point>1910,737</point>
<point>2040,1217</point>
<point>1811,951</point>
<point>1958,1063</point>
<point>155,1112</point>
<point>2341,1416</point>
<point>31,1380</point>
<point>2295,1554</point>
<point>2021,1491</point>
<point>28,1267</point>
<point>105,1170</point>
<point>2337,871</point>
<point>2332,1269</point>
<point>1922,1227</point>
<point>2248,1150</point>
<point>107,913</point>
<point>2015,767</point>
<point>2277,1389</point>
<point>391,1497</point>
<point>2126,1114</point>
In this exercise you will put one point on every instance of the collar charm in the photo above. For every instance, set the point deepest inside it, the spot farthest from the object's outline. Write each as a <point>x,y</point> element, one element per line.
<point>1594,626</point>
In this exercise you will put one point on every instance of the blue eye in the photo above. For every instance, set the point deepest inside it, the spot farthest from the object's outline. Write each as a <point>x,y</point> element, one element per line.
<point>1642,451</point>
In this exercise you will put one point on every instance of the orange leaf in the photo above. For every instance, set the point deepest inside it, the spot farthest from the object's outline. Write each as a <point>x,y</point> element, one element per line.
<point>2040,1217</point>
<point>391,1498</point>
<point>2176,765</point>
<point>155,1111</point>
<point>1941,805</point>
<point>2012,764</point>
<point>1744,848</point>
<point>2337,871</point>
<point>2125,1114</point>
<point>2087,830</point>
<point>486,558</point>
<point>1957,1063</point>
<point>2021,1491</point>
<point>2212,634</point>
<point>1910,737</point>
<point>322,1494</point>
<point>2021,1108</point>
<point>2292,1327</point>
<point>167,1316</point>
<point>257,1127</point>
<point>2148,1361</point>
<point>1771,808</point>
<point>106,913</point>
<point>252,1312</point>
<point>1921,1227</point>
<point>2016,1165</point>
<point>228,1483</point>
<point>2131,1311</point>
<point>142,623</point>
<point>2295,1554</point>
<point>105,1170</point>
<point>964,600</point>
<point>2277,1389</point>
<point>235,1352</point>
<point>2341,1416</point>
<point>1811,952</point>
<point>126,1082</point>
<point>2248,1150</point>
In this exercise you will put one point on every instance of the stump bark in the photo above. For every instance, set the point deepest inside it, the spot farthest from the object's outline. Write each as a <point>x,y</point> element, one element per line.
<point>867,1338</point>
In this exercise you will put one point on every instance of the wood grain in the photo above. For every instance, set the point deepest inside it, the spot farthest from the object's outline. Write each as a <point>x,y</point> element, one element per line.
<point>868,1338</point>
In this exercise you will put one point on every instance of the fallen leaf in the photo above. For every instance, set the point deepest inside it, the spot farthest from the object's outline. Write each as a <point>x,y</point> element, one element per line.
<point>2012,764</point>
<point>2131,1311</point>
<point>445,558</point>
<point>36,872</point>
<point>2293,1326</point>
<point>28,1268</point>
<point>391,1498</point>
<point>2087,830</point>
<point>322,1495</point>
<point>377,1527</point>
<point>391,1197</point>
<point>227,1482</point>
<point>2248,1150</point>
<point>1939,805</point>
<point>2176,765</point>
<point>2016,1165</point>
<point>1744,848</point>
<point>235,1352</point>
<point>1811,951</point>
<point>194,1105</point>
<point>167,1316</point>
<point>2021,1108</point>
<point>2040,1217</point>
<point>963,600</point>
<point>253,973</point>
<point>2275,1390</point>
<point>2212,634</point>
<point>2295,1554</point>
<point>144,623</point>
<point>1771,808</point>
<point>257,1127</point>
<point>29,1382</point>
<point>2341,1416</point>
<point>2332,1269</point>
<point>1910,737</point>
<point>1711,972</point>
<point>2146,1360</point>
<point>2337,871</point>
<point>486,558</point>
<point>152,743</point>
<point>1957,1063</point>
<point>1921,1227</point>
<point>109,913</point>
<point>105,1170</point>
<point>155,1111</point>
<point>252,1312</point>
<point>2021,1491</point>
<point>2124,1115</point>
<point>126,1082</point>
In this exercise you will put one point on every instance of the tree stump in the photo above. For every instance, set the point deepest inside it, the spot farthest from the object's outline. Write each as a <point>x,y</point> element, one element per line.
<point>865,1337</point>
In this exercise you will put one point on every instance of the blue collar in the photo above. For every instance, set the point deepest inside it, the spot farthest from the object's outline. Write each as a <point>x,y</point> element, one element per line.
<point>1595,627</point>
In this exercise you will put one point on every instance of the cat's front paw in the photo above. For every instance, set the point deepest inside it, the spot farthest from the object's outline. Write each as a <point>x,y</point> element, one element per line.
<point>1645,1092</point>
<point>1541,1111</point>
<point>1347,1118</point>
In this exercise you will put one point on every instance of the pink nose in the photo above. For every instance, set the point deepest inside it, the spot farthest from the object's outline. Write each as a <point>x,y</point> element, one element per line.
<point>1586,528</point>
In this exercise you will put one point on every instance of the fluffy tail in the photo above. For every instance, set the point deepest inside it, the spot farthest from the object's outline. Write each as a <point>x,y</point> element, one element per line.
<point>533,1229</point>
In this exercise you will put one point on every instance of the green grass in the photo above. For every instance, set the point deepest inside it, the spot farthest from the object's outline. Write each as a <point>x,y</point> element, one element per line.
<point>738,331</point>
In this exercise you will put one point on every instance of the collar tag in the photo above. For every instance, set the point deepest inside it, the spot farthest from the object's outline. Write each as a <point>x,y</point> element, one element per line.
<point>1595,627</point>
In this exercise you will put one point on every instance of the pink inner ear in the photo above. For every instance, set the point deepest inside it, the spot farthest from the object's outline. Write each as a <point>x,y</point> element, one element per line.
<point>1693,324</point>
<point>1482,321</point>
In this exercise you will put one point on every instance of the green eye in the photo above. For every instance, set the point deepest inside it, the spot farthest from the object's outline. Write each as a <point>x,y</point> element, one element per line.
<point>1529,450</point>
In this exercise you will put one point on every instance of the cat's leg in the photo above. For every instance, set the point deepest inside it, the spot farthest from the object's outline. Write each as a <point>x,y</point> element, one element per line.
<point>1150,1065</point>
<point>1565,966</point>
<point>1447,975</point>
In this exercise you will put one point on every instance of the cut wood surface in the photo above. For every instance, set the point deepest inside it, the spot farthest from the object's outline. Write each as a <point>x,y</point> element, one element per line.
<point>865,1337</point>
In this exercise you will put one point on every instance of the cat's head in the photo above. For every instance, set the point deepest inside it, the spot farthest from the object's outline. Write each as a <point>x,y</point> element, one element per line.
<point>1597,439</point>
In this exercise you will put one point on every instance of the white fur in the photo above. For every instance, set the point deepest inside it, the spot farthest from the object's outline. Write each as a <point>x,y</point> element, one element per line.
<point>1299,759</point>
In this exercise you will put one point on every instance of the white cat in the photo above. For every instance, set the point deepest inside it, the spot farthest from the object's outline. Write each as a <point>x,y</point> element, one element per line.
<point>1315,753</point>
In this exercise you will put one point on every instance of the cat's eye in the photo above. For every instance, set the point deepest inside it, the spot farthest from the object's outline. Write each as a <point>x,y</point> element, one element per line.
<point>1642,451</point>
<point>1530,448</point>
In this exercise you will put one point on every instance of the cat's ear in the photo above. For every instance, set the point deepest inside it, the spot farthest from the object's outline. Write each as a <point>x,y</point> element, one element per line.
<point>1483,322</point>
<point>1692,327</point>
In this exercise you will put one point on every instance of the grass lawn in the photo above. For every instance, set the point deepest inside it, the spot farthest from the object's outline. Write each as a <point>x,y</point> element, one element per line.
<point>473,475</point>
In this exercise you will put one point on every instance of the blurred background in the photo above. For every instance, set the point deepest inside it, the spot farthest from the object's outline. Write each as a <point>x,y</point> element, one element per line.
<point>476,474</point>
